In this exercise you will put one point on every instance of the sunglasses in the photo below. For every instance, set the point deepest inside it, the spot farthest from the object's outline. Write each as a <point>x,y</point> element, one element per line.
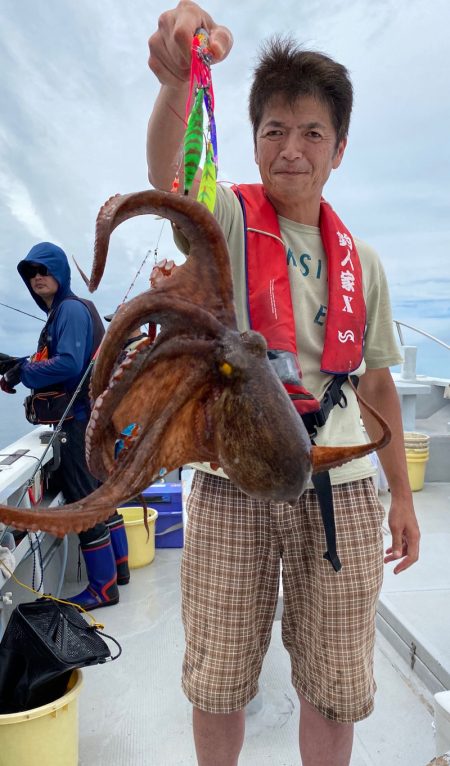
<point>33,269</point>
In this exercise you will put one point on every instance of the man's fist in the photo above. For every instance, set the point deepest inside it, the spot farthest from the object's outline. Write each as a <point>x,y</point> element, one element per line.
<point>11,378</point>
<point>170,46</point>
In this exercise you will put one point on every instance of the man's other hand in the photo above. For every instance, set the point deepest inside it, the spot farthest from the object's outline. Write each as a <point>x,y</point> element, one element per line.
<point>7,362</point>
<point>11,378</point>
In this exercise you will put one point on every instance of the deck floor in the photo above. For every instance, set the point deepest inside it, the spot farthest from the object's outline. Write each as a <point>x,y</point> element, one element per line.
<point>133,711</point>
<point>416,604</point>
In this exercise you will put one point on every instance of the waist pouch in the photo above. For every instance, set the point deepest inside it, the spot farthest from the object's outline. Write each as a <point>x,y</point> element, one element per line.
<point>47,407</point>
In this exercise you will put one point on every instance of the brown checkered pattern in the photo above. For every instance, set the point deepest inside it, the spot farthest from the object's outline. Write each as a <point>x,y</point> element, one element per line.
<point>230,579</point>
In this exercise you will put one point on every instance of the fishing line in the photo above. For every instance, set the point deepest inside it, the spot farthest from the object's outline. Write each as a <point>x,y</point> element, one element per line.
<point>22,312</point>
<point>155,255</point>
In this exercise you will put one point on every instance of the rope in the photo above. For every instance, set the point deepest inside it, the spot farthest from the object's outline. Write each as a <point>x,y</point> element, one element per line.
<point>96,625</point>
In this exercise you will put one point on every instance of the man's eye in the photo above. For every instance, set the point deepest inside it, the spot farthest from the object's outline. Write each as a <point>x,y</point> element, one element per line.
<point>273,133</point>
<point>314,134</point>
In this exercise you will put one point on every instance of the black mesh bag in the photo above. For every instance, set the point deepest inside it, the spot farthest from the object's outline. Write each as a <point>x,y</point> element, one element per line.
<point>43,642</point>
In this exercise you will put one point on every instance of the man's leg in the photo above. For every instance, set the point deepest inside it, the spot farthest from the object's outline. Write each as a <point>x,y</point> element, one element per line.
<point>218,737</point>
<point>73,475</point>
<point>77,482</point>
<point>229,577</point>
<point>323,742</point>
<point>328,623</point>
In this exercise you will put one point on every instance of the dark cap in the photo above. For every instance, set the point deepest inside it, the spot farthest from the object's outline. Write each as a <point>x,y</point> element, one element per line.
<point>108,317</point>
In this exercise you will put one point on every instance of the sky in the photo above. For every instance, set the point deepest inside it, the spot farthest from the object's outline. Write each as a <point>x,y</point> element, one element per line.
<point>76,93</point>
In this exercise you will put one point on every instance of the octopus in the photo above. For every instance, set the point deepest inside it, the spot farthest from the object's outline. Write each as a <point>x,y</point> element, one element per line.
<point>198,391</point>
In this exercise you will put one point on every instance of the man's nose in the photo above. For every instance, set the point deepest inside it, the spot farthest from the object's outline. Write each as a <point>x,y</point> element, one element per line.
<point>292,147</point>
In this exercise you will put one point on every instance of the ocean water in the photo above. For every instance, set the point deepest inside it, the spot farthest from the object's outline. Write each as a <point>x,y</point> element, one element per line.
<point>432,360</point>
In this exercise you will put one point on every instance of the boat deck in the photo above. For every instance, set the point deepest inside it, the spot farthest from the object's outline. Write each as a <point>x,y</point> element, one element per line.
<point>134,712</point>
<point>414,608</point>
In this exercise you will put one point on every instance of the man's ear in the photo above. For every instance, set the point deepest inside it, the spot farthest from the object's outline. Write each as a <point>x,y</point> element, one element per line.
<point>337,159</point>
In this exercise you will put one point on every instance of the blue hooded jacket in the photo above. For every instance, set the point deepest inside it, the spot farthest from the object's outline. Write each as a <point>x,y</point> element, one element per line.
<point>70,332</point>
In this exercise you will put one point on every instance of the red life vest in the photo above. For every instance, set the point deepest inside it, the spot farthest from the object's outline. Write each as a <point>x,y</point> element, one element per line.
<point>269,295</point>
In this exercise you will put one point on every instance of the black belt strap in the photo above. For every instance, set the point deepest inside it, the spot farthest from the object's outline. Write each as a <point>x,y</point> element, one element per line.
<point>322,484</point>
<point>321,481</point>
<point>333,395</point>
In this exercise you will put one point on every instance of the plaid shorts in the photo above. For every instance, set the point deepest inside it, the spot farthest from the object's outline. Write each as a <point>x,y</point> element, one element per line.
<point>230,583</point>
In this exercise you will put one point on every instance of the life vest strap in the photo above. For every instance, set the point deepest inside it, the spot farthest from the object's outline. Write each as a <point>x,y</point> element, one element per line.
<point>321,481</point>
<point>333,395</point>
<point>322,484</point>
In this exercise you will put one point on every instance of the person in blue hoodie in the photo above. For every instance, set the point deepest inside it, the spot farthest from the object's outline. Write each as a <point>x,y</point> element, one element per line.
<point>71,336</point>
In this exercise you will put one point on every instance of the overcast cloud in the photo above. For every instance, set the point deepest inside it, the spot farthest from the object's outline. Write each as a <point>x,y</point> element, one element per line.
<point>76,93</point>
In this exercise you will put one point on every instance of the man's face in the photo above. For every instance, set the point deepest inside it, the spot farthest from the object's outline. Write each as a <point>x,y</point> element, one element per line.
<point>296,152</point>
<point>43,285</point>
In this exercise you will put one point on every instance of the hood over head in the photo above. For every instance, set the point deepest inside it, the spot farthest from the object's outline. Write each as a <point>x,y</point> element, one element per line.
<point>55,259</point>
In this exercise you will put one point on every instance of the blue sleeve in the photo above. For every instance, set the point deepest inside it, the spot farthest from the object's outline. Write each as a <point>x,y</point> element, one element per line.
<point>70,347</point>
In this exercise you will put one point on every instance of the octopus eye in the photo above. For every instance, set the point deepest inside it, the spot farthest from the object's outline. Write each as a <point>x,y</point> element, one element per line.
<point>226,369</point>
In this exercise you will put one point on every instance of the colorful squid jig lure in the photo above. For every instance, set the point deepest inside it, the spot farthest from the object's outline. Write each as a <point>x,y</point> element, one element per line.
<point>200,100</point>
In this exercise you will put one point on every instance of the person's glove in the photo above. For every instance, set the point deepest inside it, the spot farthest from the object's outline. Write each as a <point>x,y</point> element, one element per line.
<point>11,378</point>
<point>7,362</point>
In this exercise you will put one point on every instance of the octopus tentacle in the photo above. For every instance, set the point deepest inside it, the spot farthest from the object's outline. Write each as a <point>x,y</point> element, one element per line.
<point>138,464</point>
<point>101,434</point>
<point>75,517</point>
<point>151,306</point>
<point>201,275</point>
<point>134,472</point>
<point>324,458</point>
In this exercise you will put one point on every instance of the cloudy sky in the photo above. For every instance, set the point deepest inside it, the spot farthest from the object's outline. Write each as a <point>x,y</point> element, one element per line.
<point>76,93</point>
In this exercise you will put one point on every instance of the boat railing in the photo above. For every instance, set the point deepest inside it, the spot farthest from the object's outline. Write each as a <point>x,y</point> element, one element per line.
<point>400,324</point>
<point>34,550</point>
<point>409,385</point>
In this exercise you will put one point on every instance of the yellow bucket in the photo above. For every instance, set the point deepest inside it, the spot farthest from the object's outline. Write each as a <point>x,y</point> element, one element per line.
<point>141,551</point>
<point>423,451</point>
<point>416,461</point>
<point>415,440</point>
<point>43,735</point>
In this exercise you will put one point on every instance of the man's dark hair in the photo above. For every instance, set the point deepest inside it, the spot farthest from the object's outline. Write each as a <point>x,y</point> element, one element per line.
<point>285,70</point>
